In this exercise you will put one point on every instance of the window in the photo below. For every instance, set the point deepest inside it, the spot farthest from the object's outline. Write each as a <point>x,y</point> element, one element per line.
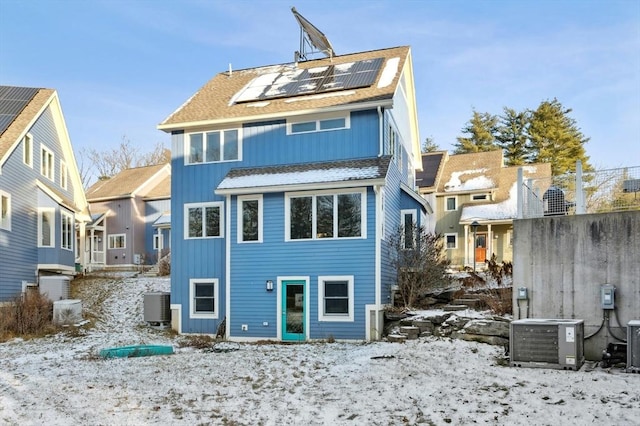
<point>325,215</point>
<point>450,203</point>
<point>63,174</point>
<point>451,241</point>
<point>117,241</point>
<point>392,141</point>
<point>250,219</point>
<point>5,211</point>
<point>66,237</point>
<point>46,163</point>
<point>203,298</point>
<point>27,150</point>
<point>319,125</point>
<point>203,220</point>
<point>477,197</point>
<point>158,242</point>
<point>409,228</point>
<point>335,298</point>
<point>213,147</point>
<point>46,227</point>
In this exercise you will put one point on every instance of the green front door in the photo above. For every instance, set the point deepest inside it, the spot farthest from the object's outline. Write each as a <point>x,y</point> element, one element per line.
<point>293,315</point>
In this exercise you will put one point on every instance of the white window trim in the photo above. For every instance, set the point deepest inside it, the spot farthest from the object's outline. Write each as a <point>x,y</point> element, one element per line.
<point>64,175</point>
<point>455,234</point>
<point>242,198</point>
<point>187,146</point>
<point>287,213</point>
<point>216,300</point>
<point>158,241</point>
<point>64,215</point>
<point>51,175</point>
<point>446,207</point>
<point>413,215</point>
<point>485,195</point>
<point>114,236</point>
<point>335,317</point>
<point>188,206</point>
<point>6,223</point>
<point>317,119</point>
<point>27,140</point>
<point>52,226</point>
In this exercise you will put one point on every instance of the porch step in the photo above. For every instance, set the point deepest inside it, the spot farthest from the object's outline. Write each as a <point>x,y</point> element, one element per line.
<point>468,301</point>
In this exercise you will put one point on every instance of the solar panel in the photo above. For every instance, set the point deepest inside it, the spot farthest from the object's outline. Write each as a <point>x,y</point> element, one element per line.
<point>12,102</point>
<point>300,82</point>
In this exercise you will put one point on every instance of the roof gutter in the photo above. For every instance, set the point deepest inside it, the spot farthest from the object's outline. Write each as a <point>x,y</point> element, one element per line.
<point>299,187</point>
<point>276,115</point>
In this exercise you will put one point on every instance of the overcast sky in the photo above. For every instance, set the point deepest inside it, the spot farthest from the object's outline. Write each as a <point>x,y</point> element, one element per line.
<point>121,67</point>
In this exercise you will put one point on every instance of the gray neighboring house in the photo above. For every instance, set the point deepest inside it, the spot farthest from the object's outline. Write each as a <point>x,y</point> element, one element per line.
<point>131,218</point>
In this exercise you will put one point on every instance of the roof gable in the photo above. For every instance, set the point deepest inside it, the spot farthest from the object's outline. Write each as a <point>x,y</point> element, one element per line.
<point>129,182</point>
<point>217,101</point>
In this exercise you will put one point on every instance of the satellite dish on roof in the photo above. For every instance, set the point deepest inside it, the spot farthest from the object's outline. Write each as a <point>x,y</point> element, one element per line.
<point>312,40</point>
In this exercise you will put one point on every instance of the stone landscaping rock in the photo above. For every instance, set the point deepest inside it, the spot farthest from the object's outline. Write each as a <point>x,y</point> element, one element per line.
<point>439,319</point>
<point>487,327</point>
<point>423,325</point>
<point>454,308</point>
<point>397,338</point>
<point>457,322</point>
<point>411,332</point>
<point>491,340</point>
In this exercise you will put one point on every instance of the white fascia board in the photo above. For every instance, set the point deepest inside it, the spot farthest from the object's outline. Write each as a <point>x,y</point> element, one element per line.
<point>165,170</point>
<point>300,187</point>
<point>387,103</point>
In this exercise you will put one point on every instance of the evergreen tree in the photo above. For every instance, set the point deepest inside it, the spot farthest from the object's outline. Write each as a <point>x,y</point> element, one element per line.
<point>429,145</point>
<point>555,138</point>
<point>481,131</point>
<point>512,136</point>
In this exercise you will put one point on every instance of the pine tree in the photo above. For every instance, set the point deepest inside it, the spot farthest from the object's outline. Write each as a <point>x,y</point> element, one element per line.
<point>512,136</point>
<point>429,145</point>
<point>555,138</point>
<point>482,129</point>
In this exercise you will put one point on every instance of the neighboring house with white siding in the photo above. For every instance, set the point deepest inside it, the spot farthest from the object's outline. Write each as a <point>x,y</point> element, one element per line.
<point>129,218</point>
<point>43,206</point>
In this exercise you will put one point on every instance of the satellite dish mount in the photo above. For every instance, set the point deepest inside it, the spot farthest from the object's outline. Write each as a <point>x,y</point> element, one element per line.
<point>312,40</point>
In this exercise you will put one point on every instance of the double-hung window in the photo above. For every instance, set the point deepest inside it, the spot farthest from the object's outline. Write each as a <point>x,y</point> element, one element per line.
<point>321,124</point>
<point>450,204</point>
<point>66,236</point>
<point>5,211</point>
<point>335,298</point>
<point>63,175</point>
<point>46,162</point>
<point>250,219</point>
<point>326,215</point>
<point>203,298</point>
<point>203,220</point>
<point>213,147</point>
<point>117,241</point>
<point>451,241</point>
<point>46,227</point>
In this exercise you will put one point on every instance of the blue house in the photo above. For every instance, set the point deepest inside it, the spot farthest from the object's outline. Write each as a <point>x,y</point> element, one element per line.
<point>287,182</point>
<point>44,210</point>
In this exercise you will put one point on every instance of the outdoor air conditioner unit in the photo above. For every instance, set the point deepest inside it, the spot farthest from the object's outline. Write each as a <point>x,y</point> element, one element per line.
<point>633,346</point>
<point>547,343</point>
<point>55,287</point>
<point>157,308</point>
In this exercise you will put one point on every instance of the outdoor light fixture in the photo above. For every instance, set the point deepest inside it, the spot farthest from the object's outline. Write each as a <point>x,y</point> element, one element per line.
<point>269,285</point>
<point>474,228</point>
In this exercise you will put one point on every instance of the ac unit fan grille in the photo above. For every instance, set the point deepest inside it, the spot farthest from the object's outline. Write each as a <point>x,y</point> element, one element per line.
<point>535,343</point>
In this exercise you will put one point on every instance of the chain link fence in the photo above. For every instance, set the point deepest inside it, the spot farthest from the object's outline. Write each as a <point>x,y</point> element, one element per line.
<point>580,193</point>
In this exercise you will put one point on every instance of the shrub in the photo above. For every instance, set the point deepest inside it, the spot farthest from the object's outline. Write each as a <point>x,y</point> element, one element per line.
<point>164,265</point>
<point>499,300</point>
<point>29,314</point>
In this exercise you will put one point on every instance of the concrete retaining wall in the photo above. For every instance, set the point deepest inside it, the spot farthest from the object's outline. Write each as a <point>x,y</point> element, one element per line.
<point>564,260</point>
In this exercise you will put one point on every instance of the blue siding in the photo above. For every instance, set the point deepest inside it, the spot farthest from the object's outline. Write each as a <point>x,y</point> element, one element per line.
<point>19,254</point>
<point>153,210</point>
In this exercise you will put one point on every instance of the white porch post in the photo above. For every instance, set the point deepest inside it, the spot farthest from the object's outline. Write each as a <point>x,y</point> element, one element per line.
<point>489,241</point>
<point>466,246</point>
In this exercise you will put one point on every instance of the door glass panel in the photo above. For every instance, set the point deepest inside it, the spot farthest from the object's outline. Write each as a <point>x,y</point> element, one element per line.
<point>294,309</point>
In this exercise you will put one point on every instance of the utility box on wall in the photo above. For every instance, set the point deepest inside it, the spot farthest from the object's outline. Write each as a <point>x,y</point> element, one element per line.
<point>547,343</point>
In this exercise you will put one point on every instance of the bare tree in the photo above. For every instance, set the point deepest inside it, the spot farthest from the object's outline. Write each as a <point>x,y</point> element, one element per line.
<point>159,155</point>
<point>420,263</point>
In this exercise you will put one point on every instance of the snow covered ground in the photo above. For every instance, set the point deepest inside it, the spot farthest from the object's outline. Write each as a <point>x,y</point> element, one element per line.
<point>60,380</point>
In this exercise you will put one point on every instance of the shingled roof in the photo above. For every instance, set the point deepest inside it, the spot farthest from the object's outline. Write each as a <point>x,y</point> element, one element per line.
<point>215,101</point>
<point>275,178</point>
<point>124,184</point>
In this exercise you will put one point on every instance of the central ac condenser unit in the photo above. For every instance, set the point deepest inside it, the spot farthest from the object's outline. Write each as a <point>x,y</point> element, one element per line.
<point>55,287</point>
<point>547,343</point>
<point>157,308</point>
<point>633,346</point>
